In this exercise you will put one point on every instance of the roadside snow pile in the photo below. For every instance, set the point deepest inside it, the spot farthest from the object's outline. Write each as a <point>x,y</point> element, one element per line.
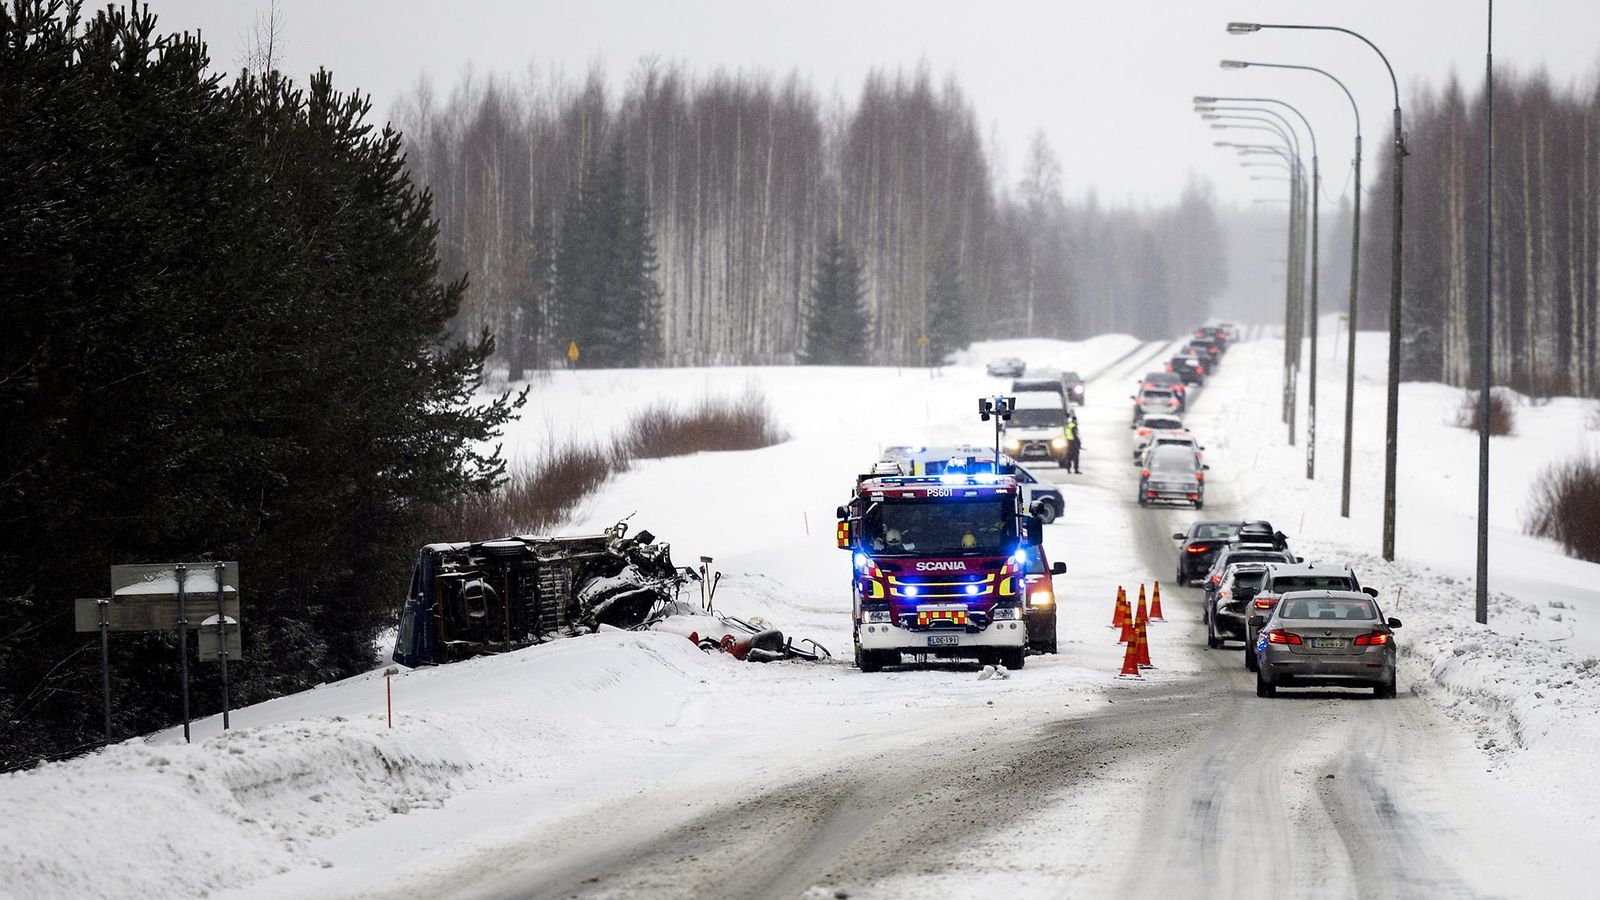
<point>159,818</point>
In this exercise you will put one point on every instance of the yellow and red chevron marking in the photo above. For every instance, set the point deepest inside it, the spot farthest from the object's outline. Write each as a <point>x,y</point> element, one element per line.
<point>957,616</point>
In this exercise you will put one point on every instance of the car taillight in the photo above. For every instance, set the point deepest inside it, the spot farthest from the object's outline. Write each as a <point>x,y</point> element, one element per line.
<point>1199,476</point>
<point>1216,579</point>
<point>1279,636</point>
<point>1150,493</point>
<point>1200,369</point>
<point>1195,548</point>
<point>1371,640</point>
<point>1144,473</point>
<point>1265,603</point>
<point>1194,496</point>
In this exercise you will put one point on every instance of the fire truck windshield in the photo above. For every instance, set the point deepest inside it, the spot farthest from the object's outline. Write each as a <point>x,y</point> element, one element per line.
<point>983,526</point>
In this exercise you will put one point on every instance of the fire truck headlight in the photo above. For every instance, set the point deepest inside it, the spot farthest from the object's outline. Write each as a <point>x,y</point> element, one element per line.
<point>1042,598</point>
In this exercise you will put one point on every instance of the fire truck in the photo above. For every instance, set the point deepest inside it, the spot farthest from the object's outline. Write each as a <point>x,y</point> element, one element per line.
<point>946,566</point>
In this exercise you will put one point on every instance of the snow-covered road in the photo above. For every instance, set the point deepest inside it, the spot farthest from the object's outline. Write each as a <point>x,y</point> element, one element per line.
<point>633,765</point>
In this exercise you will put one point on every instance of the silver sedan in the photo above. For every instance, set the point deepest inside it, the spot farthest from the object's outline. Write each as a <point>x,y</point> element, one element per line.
<point>1319,638</point>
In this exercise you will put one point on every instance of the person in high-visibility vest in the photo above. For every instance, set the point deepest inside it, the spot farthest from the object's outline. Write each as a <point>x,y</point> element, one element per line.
<point>1074,444</point>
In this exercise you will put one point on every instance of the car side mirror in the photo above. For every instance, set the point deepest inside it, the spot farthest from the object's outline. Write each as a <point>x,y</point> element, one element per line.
<point>1033,530</point>
<point>1178,535</point>
<point>841,513</point>
<point>1058,568</point>
<point>1394,623</point>
<point>1205,468</point>
<point>1299,559</point>
<point>1370,592</point>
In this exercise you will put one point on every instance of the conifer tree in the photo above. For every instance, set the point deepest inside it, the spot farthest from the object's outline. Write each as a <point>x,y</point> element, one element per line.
<point>947,328</point>
<point>836,330</point>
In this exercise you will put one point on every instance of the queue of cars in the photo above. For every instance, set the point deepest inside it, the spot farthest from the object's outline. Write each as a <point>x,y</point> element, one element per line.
<point>1303,624</point>
<point>1171,465</point>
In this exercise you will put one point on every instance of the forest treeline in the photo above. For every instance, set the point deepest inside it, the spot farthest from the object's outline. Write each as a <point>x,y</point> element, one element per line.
<point>222,315</point>
<point>1546,236</point>
<point>731,193</point>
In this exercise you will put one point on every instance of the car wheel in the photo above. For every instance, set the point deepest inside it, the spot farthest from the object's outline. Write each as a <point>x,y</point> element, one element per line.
<point>1144,501</point>
<point>1179,580</point>
<point>1212,641</point>
<point>1265,688</point>
<point>1013,658</point>
<point>1249,655</point>
<point>1387,690</point>
<point>869,661</point>
<point>1199,504</point>
<point>1047,513</point>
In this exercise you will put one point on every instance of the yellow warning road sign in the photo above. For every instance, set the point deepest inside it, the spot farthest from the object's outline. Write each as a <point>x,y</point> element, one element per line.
<point>572,352</point>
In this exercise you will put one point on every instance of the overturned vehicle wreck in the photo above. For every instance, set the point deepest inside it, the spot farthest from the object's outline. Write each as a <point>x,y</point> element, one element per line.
<point>468,599</point>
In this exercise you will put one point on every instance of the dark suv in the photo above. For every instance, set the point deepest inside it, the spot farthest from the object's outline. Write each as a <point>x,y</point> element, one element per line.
<point>1238,553</point>
<point>1192,369</point>
<point>1228,607</point>
<point>1199,546</point>
<point>1280,579</point>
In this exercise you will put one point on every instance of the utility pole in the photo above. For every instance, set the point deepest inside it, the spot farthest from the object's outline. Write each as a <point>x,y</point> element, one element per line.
<point>1485,373</point>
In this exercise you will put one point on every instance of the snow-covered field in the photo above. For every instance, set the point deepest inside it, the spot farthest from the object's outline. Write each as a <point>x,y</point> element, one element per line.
<point>511,775</point>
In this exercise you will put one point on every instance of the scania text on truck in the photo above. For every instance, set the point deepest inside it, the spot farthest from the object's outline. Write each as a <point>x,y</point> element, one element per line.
<point>941,568</point>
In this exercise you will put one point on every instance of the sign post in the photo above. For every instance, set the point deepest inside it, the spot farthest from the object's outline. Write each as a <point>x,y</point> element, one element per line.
<point>183,645</point>
<point>104,603</point>
<point>222,641</point>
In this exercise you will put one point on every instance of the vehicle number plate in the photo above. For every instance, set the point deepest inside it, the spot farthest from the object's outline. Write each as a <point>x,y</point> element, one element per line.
<point>943,640</point>
<point>1327,643</point>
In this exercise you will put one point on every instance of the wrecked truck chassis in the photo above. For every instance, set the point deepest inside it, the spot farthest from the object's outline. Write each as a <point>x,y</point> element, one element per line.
<point>472,598</point>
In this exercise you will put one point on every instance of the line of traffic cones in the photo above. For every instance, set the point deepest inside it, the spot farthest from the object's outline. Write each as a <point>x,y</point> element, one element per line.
<point>1133,624</point>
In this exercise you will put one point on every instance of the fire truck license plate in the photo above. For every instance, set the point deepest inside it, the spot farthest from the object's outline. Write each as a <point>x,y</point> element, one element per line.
<point>943,640</point>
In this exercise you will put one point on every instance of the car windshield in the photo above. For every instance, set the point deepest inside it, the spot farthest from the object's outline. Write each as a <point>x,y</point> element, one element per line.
<point>1330,608</point>
<point>943,528</point>
<point>1256,557</point>
<point>1249,579</point>
<point>1216,531</point>
<point>1038,418</point>
<point>1283,584</point>
<point>1162,378</point>
<point>1158,423</point>
<point>1172,459</point>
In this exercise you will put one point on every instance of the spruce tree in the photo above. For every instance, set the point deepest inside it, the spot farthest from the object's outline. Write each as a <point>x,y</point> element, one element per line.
<point>947,329</point>
<point>836,330</point>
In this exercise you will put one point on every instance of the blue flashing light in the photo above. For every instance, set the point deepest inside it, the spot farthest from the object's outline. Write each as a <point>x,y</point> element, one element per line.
<point>953,479</point>
<point>1020,557</point>
<point>911,590</point>
<point>862,561</point>
<point>985,478</point>
<point>973,589</point>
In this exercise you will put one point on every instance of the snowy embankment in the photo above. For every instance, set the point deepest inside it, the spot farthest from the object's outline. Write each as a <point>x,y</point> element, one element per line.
<point>1528,683</point>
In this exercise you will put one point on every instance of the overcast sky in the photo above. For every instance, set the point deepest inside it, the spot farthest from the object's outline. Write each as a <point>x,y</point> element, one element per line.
<point>1110,82</point>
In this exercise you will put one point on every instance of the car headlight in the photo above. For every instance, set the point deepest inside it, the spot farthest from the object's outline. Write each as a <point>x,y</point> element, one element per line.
<point>1013,443</point>
<point>875,616</point>
<point>1041,598</point>
<point>1058,442</point>
<point>1007,612</point>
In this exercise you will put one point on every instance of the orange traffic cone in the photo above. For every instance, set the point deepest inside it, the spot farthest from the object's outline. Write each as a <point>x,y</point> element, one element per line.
<point>1140,615</point>
<point>1130,662</point>
<point>1155,604</point>
<point>1119,612</point>
<point>1126,635</point>
<point>1142,638</point>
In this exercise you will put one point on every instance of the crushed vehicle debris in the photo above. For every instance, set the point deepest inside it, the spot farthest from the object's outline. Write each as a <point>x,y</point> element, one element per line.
<point>473,598</point>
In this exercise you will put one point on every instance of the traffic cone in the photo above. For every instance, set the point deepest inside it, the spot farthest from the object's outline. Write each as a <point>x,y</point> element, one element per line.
<point>1130,663</point>
<point>1155,604</point>
<point>1142,638</point>
<point>1119,614</point>
<point>1126,634</point>
<point>1140,616</point>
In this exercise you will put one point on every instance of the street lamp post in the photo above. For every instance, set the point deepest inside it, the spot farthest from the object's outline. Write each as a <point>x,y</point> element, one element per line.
<point>1294,279</point>
<point>1481,603</point>
<point>1316,249</point>
<point>1392,429</point>
<point>1355,268</point>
